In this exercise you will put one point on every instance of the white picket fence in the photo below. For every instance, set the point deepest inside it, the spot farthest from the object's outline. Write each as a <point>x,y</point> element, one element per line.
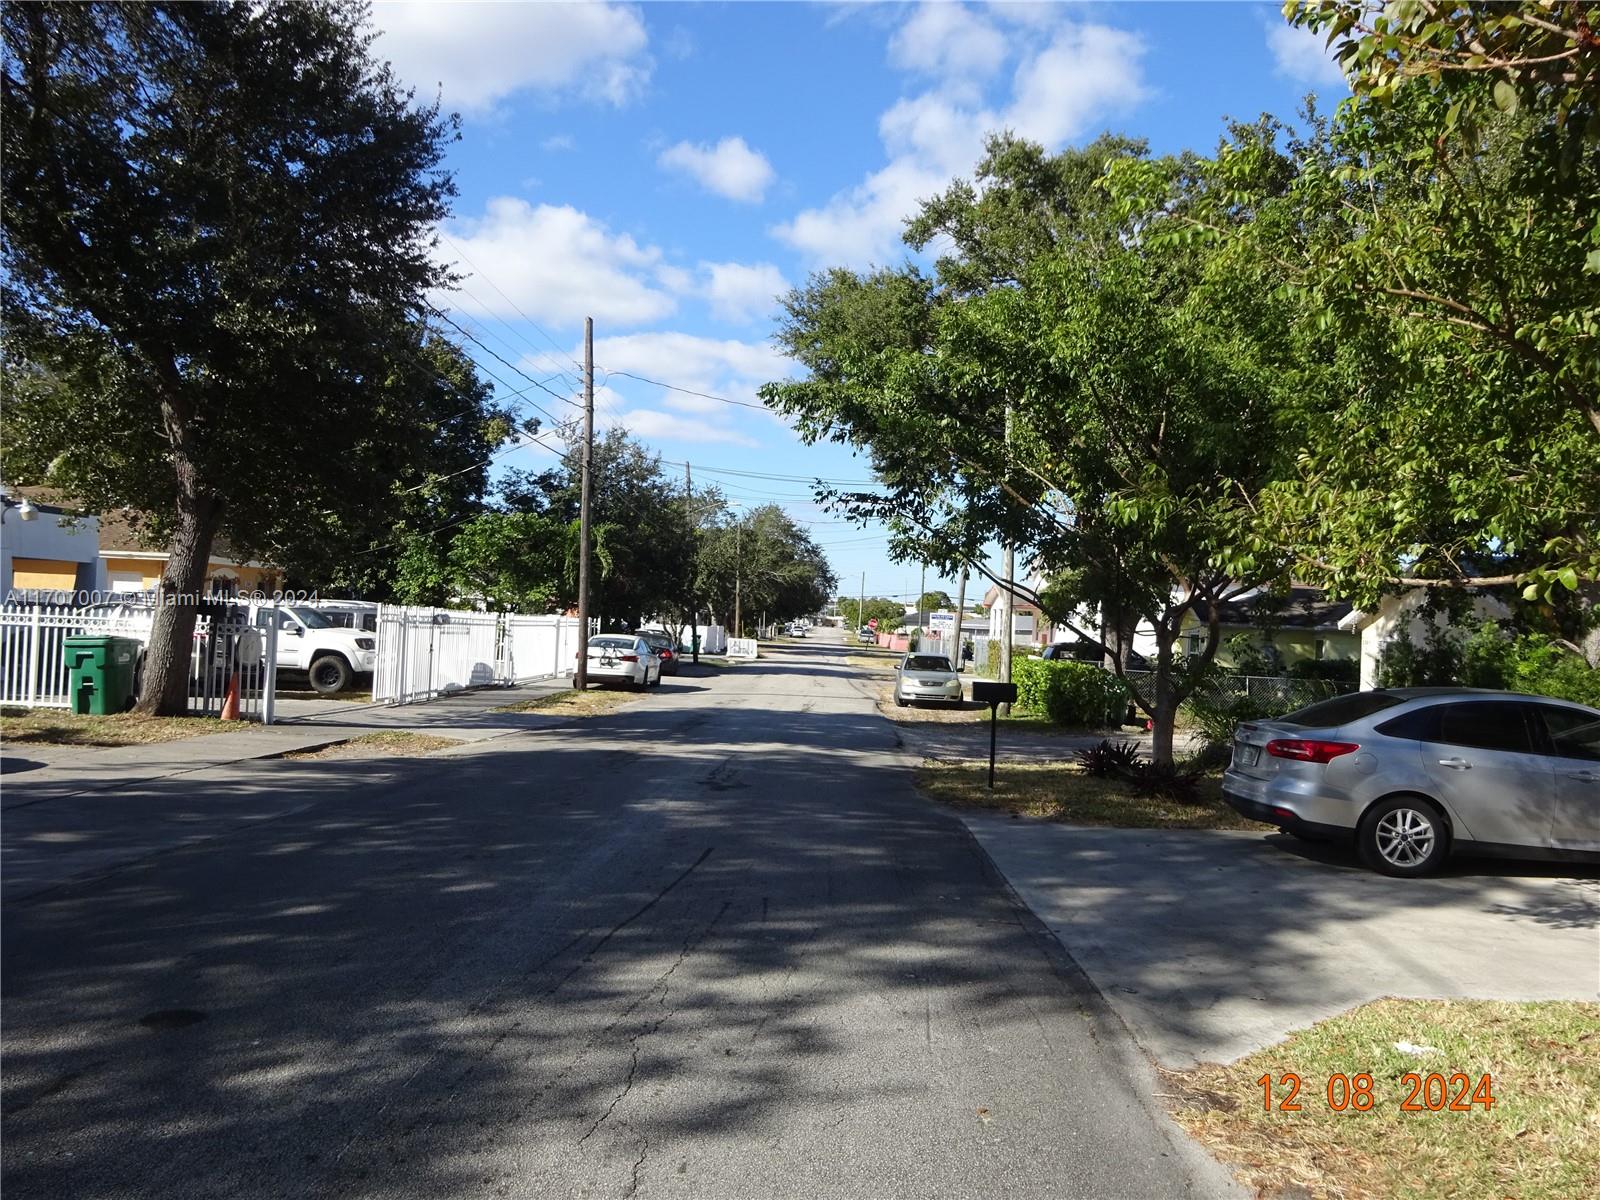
<point>34,671</point>
<point>423,653</point>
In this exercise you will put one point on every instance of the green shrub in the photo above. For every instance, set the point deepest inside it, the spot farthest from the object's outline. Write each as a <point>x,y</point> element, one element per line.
<point>1108,758</point>
<point>1338,670</point>
<point>1070,693</point>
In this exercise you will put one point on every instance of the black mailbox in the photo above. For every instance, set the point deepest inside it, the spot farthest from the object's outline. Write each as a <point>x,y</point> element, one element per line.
<point>994,693</point>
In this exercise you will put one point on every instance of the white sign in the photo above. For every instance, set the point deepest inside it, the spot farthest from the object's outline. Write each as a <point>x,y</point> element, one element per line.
<point>941,620</point>
<point>741,647</point>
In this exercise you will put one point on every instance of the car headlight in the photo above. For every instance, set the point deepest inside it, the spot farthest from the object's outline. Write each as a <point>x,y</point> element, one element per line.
<point>366,644</point>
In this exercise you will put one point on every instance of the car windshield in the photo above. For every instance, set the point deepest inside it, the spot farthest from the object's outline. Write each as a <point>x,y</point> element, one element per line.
<point>927,662</point>
<point>612,643</point>
<point>311,618</point>
<point>1341,710</point>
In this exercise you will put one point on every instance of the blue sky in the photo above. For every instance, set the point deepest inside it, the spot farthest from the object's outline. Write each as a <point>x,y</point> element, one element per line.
<point>669,169</point>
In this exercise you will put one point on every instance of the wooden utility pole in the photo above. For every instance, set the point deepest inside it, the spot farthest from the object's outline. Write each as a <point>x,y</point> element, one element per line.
<point>694,535</point>
<point>580,677</point>
<point>861,608</point>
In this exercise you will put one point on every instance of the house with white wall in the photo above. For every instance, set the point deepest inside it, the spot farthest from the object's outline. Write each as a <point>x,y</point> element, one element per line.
<point>1404,612</point>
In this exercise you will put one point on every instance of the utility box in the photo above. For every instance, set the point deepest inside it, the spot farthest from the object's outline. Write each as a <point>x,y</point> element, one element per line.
<point>102,670</point>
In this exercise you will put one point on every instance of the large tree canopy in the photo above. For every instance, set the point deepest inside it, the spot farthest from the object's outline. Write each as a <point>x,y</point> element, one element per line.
<point>1441,256</point>
<point>217,244</point>
<point>1055,386</point>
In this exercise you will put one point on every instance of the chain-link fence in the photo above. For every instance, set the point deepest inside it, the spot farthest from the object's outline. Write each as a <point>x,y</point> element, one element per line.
<point>1273,693</point>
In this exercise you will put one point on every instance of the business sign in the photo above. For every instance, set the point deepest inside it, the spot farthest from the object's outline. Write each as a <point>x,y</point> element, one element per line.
<point>941,620</point>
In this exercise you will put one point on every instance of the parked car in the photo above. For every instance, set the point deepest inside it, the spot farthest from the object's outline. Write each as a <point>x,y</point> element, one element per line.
<point>866,634</point>
<point>797,629</point>
<point>1412,775</point>
<point>926,677</point>
<point>330,657</point>
<point>349,614</point>
<point>666,648</point>
<point>1088,652</point>
<point>623,658</point>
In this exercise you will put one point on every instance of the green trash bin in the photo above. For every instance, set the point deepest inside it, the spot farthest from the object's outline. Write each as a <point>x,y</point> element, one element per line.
<point>102,670</point>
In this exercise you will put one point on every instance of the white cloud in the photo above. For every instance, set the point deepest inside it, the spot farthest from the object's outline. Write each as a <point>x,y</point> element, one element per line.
<point>557,142</point>
<point>945,39</point>
<point>654,425</point>
<point>479,54</point>
<point>742,293</point>
<point>1062,84</point>
<point>1085,72</point>
<point>721,366</point>
<point>556,264</point>
<point>1300,54</point>
<point>730,168</point>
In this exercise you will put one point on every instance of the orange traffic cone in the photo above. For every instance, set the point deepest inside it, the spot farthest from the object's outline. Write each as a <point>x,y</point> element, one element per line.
<point>230,705</point>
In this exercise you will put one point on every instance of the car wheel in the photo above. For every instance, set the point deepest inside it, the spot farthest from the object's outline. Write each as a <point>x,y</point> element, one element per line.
<point>329,674</point>
<point>1405,836</point>
<point>900,700</point>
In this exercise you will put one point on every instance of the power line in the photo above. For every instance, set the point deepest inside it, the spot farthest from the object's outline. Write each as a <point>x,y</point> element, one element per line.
<point>672,387</point>
<point>484,276</point>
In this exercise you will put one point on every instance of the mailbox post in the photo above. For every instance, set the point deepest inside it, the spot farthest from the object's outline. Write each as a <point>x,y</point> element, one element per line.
<point>994,695</point>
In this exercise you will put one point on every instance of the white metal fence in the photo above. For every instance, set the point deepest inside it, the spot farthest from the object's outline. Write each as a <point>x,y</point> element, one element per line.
<point>34,672</point>
<point>427,652</point>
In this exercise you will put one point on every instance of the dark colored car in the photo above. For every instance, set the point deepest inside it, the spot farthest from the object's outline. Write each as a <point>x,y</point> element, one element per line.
<point>666,648</point>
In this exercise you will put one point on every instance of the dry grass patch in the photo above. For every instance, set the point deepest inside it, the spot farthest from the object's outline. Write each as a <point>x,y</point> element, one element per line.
<point>571,703</point>
<point>1060,791</point>
<point>388,744</point>
<point>56,727</point>
<point>1539,1141</point>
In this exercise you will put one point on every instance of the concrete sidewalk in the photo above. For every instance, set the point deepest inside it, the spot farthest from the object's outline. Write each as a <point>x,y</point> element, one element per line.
<point>1210,945</point>
<point>53,772</point>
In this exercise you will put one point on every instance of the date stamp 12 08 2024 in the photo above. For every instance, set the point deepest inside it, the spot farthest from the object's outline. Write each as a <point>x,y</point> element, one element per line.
<point>1457,1092</point>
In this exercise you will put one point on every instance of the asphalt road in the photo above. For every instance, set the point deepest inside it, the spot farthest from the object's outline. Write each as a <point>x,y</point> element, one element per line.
<point>711,945</point>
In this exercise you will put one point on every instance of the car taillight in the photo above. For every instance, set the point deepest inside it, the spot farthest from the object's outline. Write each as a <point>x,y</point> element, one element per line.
<point>629,657</point>
<point>666,654</point>
<point>1309,749</point>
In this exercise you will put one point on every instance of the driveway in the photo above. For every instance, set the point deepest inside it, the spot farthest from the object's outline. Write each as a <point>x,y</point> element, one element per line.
<point>1210,945</point>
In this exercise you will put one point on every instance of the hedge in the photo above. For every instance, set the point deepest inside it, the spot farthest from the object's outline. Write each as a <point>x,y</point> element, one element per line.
<point>1070,693</point>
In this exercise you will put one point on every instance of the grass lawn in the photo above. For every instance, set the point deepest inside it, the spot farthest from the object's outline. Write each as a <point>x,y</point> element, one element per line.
<point>570,703</point>
<point>385,744</point>
<point>57,727</point>
<point>1539,1141</point>
<point>1060,791</point>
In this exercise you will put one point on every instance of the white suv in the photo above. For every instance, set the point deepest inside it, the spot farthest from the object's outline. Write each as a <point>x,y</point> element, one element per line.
<point>330,656</point>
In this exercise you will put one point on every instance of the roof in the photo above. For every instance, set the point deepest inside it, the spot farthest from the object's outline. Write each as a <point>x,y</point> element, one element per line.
<point>1303,608</point>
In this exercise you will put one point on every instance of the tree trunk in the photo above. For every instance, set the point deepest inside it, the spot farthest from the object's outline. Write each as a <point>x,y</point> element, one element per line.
<point>1163,701</point>
<point>165,688</point>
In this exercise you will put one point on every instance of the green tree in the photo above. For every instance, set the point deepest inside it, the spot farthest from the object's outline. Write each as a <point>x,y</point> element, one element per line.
<point>888,613</point>
<point>216,236</point>
<point>762,562</point>
<point>1444,334</point>
<point>934,601</point>
<point>1058,387</point>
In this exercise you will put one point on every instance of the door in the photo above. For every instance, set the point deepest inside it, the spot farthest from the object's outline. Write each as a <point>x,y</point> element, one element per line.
<point>1480,756</point>
<point>291,642</point>
<point>1574,743</point>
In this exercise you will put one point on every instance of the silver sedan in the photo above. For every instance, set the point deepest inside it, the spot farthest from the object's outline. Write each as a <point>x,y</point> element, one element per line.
<point>1413,774</point>
<point>926,677</point>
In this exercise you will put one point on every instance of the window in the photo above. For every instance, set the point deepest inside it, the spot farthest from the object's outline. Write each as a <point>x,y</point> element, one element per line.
<point>927,662</point>
<point>1573,732</point>
<point>1341,710</point>
<point>1484,725</point>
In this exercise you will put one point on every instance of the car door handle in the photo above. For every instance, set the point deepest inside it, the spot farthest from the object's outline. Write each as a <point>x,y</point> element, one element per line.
<point>1458,764</point>
<point>1586,776</point>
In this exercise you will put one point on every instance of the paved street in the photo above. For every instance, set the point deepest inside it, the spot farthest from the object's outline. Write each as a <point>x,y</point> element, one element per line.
<point>712,944</point>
